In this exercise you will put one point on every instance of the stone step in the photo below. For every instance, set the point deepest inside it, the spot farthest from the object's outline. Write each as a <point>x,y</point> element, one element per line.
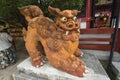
<point>116,69</point>
<point>102,55</point>
<point>25,71</point>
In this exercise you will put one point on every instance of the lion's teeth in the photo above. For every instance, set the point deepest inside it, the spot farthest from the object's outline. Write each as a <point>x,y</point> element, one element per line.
<point>67,32</point>
<point>78,30</point>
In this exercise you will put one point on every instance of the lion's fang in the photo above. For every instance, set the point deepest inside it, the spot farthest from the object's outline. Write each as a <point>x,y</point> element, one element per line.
<point>67,32</point>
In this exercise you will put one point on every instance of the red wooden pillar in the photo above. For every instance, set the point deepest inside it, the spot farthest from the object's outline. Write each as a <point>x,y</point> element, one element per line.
<point>117,47</point>
<point>88,13</point>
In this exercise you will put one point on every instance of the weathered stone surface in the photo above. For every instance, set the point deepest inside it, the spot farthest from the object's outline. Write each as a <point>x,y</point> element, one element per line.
<point>27,72</point>
<point>116,69</point>
<point>103,55</point>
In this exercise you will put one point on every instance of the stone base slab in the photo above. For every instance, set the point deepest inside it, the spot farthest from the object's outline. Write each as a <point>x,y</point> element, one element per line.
<point>116,69</point>
<point>25,71</point>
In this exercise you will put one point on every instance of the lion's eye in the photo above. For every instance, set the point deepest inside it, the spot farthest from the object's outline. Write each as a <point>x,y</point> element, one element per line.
<point>63,19</point>
<point>74,18</point>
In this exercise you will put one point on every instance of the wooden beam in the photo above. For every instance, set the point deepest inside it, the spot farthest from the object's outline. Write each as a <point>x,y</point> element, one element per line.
<point>105,47</point>
<point>96,39</point>
<point>97,31</point>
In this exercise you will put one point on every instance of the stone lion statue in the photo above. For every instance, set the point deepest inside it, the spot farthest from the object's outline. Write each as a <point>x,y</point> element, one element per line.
<point>57,39</point>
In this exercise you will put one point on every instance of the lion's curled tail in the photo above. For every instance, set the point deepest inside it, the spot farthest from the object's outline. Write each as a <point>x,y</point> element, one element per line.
<point>30,12</point>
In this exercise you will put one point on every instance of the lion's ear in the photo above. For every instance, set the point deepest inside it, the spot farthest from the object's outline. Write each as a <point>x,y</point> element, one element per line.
<point>54,11</point>
<point>75,12</point>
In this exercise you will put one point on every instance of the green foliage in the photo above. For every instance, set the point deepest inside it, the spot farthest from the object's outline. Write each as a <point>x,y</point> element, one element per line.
<point>9,8</point>
<point>61,4</point>
<point>21,3</point>
<point>5,8</point>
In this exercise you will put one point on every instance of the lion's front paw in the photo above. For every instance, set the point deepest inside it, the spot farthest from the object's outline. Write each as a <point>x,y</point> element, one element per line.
<point>37,62</point>
<point>78,53</point>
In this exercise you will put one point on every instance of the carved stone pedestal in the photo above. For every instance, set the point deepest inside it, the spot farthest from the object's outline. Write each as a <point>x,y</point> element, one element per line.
<point>25,71</point>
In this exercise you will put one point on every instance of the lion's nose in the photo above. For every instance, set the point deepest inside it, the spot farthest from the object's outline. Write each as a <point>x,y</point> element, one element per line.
<point>70,25</point>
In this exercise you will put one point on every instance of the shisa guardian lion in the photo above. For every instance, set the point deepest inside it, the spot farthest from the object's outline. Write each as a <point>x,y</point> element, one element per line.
<point>58,39</point>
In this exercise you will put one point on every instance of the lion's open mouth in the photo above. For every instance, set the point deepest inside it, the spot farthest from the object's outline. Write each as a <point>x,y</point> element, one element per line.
<point>67,31</point>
